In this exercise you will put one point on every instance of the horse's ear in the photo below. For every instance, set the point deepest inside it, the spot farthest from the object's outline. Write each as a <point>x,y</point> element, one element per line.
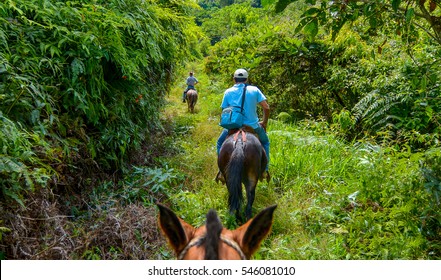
<point>175,230</point>
<point>255,230</point>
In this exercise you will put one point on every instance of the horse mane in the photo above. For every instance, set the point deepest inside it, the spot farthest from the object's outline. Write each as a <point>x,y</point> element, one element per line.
<point>214,228</point>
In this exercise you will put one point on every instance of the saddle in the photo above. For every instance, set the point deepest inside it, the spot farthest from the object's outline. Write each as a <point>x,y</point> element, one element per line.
<point>244,128</point>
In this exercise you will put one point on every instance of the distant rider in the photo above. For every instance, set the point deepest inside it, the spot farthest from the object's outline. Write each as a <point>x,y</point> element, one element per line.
<point>191,82</point>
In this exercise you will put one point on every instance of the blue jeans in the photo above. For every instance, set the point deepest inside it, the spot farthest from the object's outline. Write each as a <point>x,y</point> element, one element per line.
<point>261,133</point>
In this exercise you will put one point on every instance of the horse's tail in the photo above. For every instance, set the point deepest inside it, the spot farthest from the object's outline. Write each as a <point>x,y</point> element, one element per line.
<point>234,177</point>
<point>194,98</point>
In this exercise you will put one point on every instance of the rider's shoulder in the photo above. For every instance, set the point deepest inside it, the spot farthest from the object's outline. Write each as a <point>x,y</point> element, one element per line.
<point>252,88</point>
<point>231,89</point>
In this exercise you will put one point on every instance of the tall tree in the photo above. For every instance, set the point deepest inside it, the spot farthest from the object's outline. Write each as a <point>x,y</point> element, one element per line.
<point>403,16</point>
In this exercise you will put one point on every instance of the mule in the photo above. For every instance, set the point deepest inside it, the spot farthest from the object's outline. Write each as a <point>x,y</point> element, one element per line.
<point>212,241</point>
<point>192,99</point>
<point>242,160</point>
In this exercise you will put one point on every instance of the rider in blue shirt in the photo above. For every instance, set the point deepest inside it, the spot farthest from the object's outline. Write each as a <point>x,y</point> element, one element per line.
<point>253,98</point>
<point>191,82</point>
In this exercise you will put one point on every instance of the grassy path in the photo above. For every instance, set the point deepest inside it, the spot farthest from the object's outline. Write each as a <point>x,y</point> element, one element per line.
<point>335,200</point>
<point>197,161</point>
<point>198,133</point>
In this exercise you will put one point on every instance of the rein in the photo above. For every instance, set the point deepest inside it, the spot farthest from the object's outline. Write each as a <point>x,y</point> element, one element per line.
<point>199,240</point>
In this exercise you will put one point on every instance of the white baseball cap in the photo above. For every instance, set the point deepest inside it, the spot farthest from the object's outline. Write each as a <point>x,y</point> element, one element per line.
<point>241,73</point>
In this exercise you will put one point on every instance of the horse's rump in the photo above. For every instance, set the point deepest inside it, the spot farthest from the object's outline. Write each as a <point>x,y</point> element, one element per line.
<point>192,92</point>
<point>242,159</point>
<point>192,98</point>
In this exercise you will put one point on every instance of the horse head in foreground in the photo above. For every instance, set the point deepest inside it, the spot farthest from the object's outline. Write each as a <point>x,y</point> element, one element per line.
<point>212,241</point>
<point>192,98</point>
<point>242,160</point>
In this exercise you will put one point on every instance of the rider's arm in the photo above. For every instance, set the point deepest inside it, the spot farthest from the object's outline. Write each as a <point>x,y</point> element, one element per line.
<point>266,112</point>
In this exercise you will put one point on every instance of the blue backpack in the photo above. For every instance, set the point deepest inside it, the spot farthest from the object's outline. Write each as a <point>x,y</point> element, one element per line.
<point>232,116</point>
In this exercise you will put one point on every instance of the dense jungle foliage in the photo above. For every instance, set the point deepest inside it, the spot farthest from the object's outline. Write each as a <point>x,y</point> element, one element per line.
<point>82,82</point>
<point>93,131</point>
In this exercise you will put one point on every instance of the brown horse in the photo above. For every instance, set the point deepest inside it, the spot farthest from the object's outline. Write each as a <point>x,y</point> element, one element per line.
<point>212,241</point>
<point>242,159</point>
<point>192,98</point>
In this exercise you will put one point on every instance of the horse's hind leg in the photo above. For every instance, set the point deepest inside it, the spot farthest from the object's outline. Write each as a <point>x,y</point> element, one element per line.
<point>251,193</point>
<point>239,217</point>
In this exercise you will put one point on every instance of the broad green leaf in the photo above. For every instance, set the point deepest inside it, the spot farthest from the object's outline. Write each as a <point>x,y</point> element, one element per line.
<point>312,11</point>
<point>396,4</point>
<point>311,28</point>
<point>282,4</point>
<point>410,14</point>
<point>423,84</point>
<point>303,22</point>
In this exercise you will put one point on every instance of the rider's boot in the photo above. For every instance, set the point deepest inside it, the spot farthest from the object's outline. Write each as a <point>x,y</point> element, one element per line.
<point>265,175</point>
<point>219,177</point>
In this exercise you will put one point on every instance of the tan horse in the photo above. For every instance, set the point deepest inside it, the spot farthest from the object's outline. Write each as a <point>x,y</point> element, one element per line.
<point>212,241</point>
<point>192,98</point>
